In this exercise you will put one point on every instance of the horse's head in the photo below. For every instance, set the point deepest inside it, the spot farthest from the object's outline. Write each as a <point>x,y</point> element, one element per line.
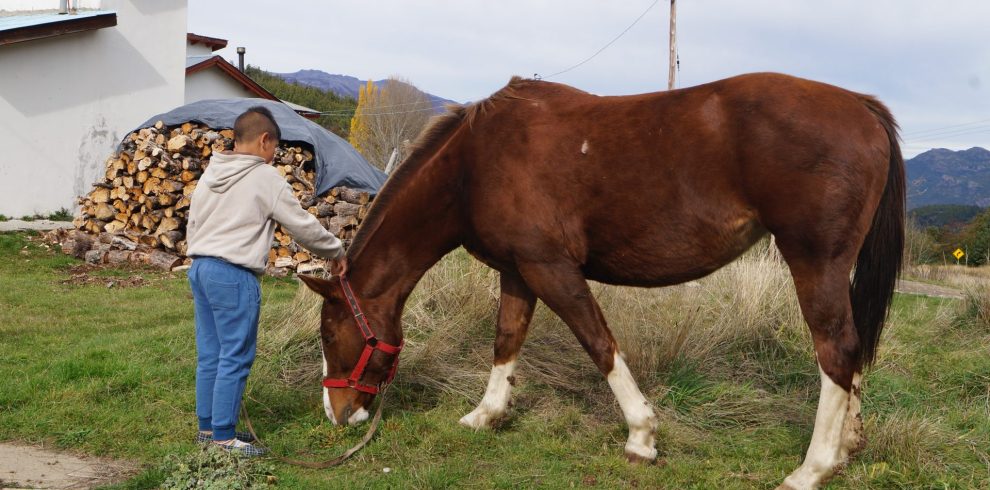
<point>351,376</point>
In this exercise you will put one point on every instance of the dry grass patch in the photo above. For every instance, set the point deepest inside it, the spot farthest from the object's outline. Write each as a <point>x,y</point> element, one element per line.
<point>957,276</point>
<point>738,327</point>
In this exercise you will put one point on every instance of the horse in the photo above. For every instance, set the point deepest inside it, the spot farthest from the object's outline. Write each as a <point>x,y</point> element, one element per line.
<point>552,186</point>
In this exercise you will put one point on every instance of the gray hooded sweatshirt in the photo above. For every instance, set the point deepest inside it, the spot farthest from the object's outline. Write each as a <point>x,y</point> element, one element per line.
<point>234,210</point>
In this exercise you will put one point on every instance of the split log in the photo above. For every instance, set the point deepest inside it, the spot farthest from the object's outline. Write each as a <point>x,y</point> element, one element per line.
<point>346,209</point>
<point>100,195</point>
<point>324,209</point>
<point>118,257</point>
<point>77,244</point>
<point>124,243</point>
<point>284,262</point>
<point>354,196</point>
<point>103,211</point>
<point>96,256</point>
<point>114,226</point>
<point>140,257</point>
<point>167,224</point>
<point>163,260</point>
<point>170,238</point>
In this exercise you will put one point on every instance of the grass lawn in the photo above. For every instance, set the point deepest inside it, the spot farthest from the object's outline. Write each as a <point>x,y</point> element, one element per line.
<point>109,371</point>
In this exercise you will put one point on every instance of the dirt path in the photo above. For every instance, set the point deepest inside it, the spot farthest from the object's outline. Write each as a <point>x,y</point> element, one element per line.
<point>914,287</point>
<point>39,225</point>
<point>33,467</point>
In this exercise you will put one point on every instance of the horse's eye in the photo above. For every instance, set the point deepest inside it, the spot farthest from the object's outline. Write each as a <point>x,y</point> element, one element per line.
<point>328,336</point>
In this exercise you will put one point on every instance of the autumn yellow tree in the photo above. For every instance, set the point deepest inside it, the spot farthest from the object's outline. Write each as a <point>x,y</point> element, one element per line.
<point>358,135</point>
<point>388,117</point>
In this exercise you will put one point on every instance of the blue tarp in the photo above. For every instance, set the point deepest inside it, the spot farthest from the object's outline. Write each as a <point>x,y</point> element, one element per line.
<point>337,163</point>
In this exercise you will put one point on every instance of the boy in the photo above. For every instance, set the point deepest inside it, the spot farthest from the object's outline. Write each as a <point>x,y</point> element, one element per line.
<point>232,218</point>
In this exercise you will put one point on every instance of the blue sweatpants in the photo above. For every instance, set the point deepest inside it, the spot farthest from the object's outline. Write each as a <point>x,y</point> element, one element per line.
<point>227,304</point>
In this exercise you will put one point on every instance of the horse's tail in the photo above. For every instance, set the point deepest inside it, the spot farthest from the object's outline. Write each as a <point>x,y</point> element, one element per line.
<point>879,261</point>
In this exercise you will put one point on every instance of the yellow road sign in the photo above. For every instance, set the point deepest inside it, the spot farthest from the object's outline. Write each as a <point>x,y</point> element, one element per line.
<point>958,254</point>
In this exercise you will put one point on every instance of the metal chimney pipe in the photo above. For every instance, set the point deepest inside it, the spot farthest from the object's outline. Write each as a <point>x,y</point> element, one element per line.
<point>240,58</point>
<point>63,7</point>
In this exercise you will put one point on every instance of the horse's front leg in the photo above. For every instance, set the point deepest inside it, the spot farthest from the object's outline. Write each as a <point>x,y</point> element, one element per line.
<point>564,289</point>
<point>514,314</point>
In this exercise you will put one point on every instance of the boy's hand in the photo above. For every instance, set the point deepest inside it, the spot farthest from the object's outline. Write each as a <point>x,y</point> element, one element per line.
<point>338,267</point>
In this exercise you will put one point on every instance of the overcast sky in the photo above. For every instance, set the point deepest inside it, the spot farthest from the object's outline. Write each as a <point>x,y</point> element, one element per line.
<point>928,60</point>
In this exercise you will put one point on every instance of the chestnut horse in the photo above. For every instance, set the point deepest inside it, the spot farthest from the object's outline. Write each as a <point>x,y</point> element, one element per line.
<point>552,186</point>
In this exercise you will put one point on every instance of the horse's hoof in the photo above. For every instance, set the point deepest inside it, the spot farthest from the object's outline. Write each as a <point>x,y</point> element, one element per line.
<point>637,459</point>
<point>638,453</point>
<point>477,420</point>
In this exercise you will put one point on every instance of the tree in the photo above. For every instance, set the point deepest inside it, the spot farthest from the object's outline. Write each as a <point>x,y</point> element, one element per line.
<point>976,236</point>
<point>359,133</point>
<point>388,117</point>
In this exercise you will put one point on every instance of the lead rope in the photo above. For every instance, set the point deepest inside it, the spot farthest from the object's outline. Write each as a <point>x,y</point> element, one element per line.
<point>330,462</point>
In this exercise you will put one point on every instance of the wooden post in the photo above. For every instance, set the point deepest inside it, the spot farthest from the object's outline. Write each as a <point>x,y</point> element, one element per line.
<point>673,45</point>
<point>392,161</point>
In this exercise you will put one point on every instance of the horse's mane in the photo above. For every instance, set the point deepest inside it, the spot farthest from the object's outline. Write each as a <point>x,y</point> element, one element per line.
<point>429,141</point>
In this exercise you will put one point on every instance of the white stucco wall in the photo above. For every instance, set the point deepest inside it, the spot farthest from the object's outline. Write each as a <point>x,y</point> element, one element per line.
<point>198,49</point>
<point>66,101</point>
<point>212,83</point>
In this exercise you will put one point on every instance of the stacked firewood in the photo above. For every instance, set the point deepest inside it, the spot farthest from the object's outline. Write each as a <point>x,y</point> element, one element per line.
<point>142,203</point>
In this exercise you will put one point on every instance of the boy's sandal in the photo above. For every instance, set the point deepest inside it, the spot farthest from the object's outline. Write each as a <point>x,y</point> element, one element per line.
<point>243,449</point>
<point>240,436</point>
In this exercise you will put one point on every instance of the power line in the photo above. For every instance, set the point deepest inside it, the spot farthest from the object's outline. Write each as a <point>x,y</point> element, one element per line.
<point>603,48</point>
<point>951,134</point>
<point>935,130</point>
<point>352,113</point>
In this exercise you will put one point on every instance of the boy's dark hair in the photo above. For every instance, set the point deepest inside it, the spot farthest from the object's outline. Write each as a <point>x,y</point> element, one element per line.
<point>253,122</point>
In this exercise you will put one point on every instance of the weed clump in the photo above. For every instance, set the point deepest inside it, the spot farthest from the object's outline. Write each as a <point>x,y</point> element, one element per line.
<point>213,468</point>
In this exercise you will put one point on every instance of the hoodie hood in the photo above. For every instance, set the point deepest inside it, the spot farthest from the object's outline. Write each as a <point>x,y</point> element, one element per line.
<point>226,169</point>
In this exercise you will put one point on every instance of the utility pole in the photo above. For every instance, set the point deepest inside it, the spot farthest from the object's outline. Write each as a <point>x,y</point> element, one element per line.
<point>673,45</point>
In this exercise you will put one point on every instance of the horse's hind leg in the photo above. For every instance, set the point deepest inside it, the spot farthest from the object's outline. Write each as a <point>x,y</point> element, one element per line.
<point>563,288</point>
<point>515,310</point>
<point>823,292</point>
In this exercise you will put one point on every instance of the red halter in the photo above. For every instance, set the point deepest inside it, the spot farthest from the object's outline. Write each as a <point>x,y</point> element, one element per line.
<point>371,344</point>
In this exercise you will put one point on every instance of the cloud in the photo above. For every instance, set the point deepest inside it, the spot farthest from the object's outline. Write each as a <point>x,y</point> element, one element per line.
<point>929,61</point>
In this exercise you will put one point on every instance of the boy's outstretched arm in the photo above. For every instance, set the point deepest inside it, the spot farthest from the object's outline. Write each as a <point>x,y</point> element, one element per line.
<point>304,227</point>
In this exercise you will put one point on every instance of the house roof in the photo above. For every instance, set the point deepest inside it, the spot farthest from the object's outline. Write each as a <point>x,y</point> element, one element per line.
<point>214,43</point>
<point>302,110</point>
<point>31,25</point>
<point>196,64</point>
<point>199,63</point>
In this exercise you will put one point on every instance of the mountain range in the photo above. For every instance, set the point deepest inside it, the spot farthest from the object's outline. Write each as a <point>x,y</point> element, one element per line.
<point>345,85</point>
<point>942,176</point>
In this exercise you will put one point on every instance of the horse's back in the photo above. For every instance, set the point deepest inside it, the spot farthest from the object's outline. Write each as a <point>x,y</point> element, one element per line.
<point>664,187</point>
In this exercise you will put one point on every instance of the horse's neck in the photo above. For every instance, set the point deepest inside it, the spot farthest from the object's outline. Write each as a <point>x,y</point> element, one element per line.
<point>421,223</point>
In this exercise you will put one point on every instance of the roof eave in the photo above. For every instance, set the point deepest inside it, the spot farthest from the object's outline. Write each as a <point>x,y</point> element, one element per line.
<point>59,28</point>
<point>234,73</point>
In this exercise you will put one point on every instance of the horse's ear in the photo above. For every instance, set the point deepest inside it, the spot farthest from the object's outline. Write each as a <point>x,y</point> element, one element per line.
<point>324,287</point>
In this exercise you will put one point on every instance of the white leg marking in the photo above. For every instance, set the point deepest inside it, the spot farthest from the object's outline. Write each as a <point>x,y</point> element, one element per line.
<point>327,407</point>
<point>496,399</point>
<point>637,410</point>
<point>825,452</point>
<point>852,430</point>
<point>360,416</point>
